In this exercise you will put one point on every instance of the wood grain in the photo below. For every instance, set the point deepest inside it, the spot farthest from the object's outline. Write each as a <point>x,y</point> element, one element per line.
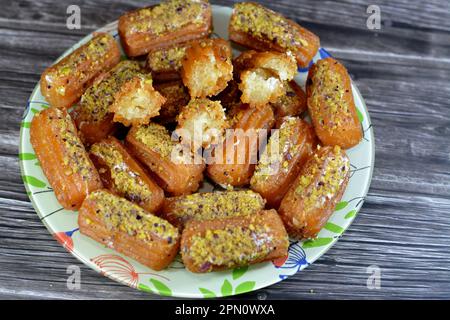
<point>403,72</point>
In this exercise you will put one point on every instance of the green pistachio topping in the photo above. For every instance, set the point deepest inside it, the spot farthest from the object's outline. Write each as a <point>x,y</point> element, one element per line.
<point>80,64</point>
<point>278,150</point>
<point>333,167</point>
<point>126,181</point>
<point>168,16</point>
<point>328,91</point>
<point>157,138</point>
<point>166,59</point>
<point>76,160</point>
<point>97,99</point>
<point>120,214</point>
<point>263,23</point>
<point>212,205</point>
<point>231,246</point>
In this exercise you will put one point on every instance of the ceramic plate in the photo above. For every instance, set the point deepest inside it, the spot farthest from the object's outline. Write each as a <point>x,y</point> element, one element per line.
<point>176,280</point>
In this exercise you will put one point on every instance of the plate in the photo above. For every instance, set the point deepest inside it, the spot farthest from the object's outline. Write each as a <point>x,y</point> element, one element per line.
<point>176,280</point>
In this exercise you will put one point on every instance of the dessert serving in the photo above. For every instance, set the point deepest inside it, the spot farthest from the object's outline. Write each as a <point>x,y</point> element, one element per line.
<point>180,157</point>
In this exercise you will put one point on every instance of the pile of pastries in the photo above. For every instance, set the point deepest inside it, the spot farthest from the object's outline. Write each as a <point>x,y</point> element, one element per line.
<point>129,142</point>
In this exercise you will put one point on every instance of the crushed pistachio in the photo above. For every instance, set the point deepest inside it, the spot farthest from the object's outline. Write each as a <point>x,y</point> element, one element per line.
<point>75,159</point>
<point>97,99</point>
<point>263,24</point>
<point>279,148</point>
<point>288,103</point>
<point>231,246</point>
<point>211,205</point>
<point>167,59</point>
<point>157,138</point>
<point>327,97</point>
<point>120,214</point>
<point>80,64</point>
<point>333,167</point>
<point>126,181</point>
<point>198,105</point>
<point>168,16</point>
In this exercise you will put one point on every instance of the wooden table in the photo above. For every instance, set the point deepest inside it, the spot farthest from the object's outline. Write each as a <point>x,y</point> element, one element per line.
<point>403,72</point>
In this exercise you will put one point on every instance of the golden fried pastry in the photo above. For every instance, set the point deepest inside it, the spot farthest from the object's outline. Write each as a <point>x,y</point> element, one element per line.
<point>63,157</point>
<point>137,101</point>
<point>177,171</point>
<point>127,228</point>
<point>232,162</point>
<point>280,163</point>
<point>331,105</point>
<point>165,63</point>
<point>313,196</point>
<point>228,243</point>
<point>123,175</point>
<point>201,123</point>
<point>257,27</point>
<point>291,104</point>
<point>164,25</point>
<point>63,83</point>
<point>211,205</point>
<point>207,68</point>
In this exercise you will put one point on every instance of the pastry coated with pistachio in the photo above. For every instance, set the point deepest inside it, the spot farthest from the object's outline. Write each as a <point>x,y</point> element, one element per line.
<point>201,123</point>
<point>124,176</point>
<point>92,115</point>
<point>286,152</point>
<point>62,157</point>
<point>211,205</point>
<point>331,105</point>
<point>291,104</point>
<point>179,171</point>
<point>233,242</point>
<point>165,63</point>
<point>207,68</point>
<point>63,83</point>
<point>311,199</point>
<point>98,98</point>
<point>257,27</point>
<point>137,101</point>
<point>163,25</point>
<point>156,138</point>
<point>129,229</point>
